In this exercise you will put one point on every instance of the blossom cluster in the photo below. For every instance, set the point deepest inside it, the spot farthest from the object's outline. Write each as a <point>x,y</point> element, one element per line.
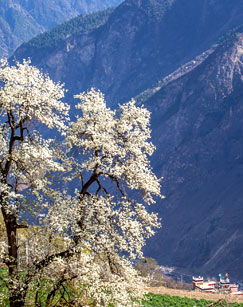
<point>89,228</point>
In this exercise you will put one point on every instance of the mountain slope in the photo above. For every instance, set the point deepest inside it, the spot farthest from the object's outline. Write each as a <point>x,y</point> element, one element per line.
<point>198,128</point>
<point>141,42</point>
<point>196,117</point>
<point>76,25</point>
<point>16,26</point>
<point>22,20</point>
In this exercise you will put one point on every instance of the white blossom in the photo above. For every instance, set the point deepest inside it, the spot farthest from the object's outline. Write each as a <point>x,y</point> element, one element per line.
<point>89,226</point>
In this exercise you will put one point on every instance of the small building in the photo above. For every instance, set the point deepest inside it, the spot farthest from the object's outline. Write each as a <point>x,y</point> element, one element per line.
<point>223,286</point>
<point>203,286</point>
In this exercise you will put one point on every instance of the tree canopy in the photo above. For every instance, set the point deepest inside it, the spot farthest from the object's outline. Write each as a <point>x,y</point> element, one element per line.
<point>89,226</point>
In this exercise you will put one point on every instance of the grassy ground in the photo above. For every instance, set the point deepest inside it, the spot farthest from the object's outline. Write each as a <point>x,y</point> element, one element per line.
<point>197,295</point>
<point>165,300</point>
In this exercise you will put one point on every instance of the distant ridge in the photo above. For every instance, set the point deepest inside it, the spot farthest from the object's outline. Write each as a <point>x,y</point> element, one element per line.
<point>22,20</point>
<point>187,67</point>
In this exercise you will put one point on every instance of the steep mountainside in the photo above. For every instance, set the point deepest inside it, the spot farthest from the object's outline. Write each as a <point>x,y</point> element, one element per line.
<point>142,41</point>
<point>196,114</point>
<point>198,128</point>
<point>20,20</point>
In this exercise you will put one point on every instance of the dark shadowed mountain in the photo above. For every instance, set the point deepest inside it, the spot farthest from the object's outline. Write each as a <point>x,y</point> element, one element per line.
<point>167,50</point>
<point>197,124</point>
<point>141,42</point>
<point>20,20</point>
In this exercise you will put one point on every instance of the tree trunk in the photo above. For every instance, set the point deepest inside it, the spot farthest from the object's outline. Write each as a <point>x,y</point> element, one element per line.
<point>16,300</point>
<point>11,229</point>
<point>16,295</point>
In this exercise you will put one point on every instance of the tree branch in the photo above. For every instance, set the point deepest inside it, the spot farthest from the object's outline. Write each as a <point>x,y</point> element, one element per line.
<point>85,187</point>
<point>57,286</point>
<point>114,179</point>
<point>101,187</point>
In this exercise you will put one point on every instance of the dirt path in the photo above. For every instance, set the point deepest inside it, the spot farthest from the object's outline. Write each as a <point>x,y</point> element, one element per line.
<point>196,294</point>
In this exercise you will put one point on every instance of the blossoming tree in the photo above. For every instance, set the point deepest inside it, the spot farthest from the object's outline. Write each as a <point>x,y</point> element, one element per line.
<point>26,97</point>
<point>84,244</point>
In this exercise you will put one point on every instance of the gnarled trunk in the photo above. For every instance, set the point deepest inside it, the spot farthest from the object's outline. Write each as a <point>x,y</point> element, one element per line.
<point>16,294</point>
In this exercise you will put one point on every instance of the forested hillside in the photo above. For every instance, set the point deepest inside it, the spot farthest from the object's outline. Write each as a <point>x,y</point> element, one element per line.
<point>74,26</point>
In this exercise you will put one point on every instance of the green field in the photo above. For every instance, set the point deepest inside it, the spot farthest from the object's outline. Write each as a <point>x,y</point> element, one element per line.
<point>159,300</point>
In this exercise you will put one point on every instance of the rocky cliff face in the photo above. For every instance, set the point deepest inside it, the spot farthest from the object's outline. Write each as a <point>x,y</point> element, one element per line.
<point>142,42</point>
<point>21,20</point>
<point>198,128</point>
